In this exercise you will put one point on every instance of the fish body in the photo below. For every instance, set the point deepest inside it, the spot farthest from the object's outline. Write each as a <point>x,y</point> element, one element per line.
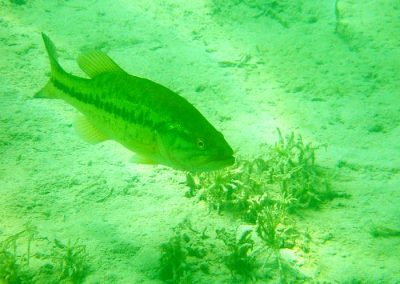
<point>145,117</point>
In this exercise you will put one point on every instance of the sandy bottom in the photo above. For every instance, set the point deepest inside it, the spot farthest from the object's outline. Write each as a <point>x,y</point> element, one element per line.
<point>327,72</point>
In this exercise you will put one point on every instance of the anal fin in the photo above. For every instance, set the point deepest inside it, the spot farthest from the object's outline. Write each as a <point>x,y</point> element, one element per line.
<point>88,131</point>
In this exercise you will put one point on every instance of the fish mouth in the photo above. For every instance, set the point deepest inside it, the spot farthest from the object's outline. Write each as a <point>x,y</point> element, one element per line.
<point>218,164</point>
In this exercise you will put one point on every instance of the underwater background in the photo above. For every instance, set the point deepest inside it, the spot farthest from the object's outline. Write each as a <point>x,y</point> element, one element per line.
<point>306,92</point>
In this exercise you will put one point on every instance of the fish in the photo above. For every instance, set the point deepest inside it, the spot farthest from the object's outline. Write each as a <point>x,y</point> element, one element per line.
<point>154,122</point>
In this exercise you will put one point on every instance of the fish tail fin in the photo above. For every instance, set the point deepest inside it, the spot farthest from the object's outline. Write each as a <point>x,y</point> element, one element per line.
<point>52,53</point>
<point>49,91</point>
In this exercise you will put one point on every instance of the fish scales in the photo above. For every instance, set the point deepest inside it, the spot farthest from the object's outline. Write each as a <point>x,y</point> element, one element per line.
<point>115,101</point>
<point>87,101</point>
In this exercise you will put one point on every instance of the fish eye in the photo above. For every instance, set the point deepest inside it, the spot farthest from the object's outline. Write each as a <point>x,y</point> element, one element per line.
<point>200,143</point>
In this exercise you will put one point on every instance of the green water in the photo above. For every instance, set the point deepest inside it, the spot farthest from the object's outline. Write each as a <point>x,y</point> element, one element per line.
<point>307,93</point>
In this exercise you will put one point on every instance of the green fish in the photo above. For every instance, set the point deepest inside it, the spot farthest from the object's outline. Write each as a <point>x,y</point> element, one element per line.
<point>149,119</point>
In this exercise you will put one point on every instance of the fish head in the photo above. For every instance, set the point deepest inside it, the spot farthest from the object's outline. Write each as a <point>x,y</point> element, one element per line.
<point>195,150</point>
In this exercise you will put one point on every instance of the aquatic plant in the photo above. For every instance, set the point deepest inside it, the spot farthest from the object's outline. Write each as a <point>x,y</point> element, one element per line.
<point>13,267</point>
<point>270,226</point>
<point>65,264</point>
<point>231,189</point>
<point>264,192</point>
<point>30,233</point>
<point>384,232</point>
<point>287,169</point>
<point>222,189</point>
<point>342,27</point>
<point>275,9</point>
<point>181,254</point>
<point>291,164</point>
<point>18,2</point>
<point>282,11</point>
<point>241,258</point>
<point>11,271</point>
<point>70,261</point>
<point>274,229</point>
<point>173,264</point>
<point>338,18</point>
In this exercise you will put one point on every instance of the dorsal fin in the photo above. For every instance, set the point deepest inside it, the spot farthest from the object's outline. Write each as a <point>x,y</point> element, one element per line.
<point>96,62</point>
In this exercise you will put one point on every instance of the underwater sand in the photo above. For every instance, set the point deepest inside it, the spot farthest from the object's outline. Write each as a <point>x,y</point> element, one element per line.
<point>331,75</point>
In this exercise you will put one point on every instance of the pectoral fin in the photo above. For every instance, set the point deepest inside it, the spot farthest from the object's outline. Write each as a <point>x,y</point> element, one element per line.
<point>88,131</point>
<point>139,159</point>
